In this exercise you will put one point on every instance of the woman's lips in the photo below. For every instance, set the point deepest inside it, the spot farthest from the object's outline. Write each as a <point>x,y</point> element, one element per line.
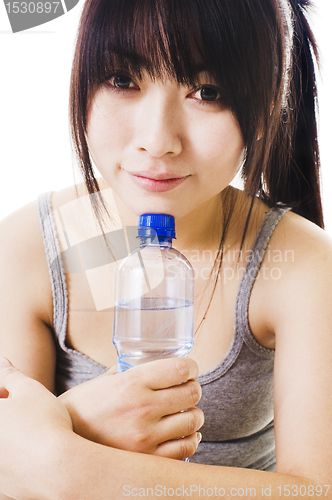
<point>157,186</point>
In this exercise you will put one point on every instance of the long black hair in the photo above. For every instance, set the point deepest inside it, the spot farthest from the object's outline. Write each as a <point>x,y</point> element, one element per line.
<point>261,53</point>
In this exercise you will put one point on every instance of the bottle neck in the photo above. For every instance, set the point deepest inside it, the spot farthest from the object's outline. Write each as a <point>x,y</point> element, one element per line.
<point>162,241</point>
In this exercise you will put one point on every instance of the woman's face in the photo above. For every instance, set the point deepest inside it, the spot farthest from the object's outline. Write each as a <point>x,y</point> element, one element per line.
<point>143,133</point>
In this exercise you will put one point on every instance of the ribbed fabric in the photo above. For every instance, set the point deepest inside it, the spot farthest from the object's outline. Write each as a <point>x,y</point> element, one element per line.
<point>237,396</point>
<point>73,367</point>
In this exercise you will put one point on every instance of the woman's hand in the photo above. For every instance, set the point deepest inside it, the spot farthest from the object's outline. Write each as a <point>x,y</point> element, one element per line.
<point>141,409</point>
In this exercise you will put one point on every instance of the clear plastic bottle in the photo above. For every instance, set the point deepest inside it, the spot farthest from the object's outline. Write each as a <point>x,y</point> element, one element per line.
<point>154,297</point>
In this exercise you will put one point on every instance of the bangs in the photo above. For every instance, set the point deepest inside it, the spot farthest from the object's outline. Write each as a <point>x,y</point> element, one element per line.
<point>239,43</point>
<point>162,39</point>
<point>233,40</point>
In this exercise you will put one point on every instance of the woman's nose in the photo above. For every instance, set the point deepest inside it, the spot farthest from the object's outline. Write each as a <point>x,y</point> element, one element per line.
<point>157,129</point>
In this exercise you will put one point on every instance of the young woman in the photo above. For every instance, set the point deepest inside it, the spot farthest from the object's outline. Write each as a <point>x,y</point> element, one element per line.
<point>170,100</point>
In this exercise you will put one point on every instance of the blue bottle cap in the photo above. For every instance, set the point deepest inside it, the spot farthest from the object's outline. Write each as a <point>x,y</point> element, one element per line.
<point>161,224</point>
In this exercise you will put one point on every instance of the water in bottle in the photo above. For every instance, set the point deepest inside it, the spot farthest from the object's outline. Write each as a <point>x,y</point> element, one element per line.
<point>154,297</point>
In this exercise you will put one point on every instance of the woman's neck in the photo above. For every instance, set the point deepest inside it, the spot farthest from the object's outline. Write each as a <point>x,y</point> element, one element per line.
<point>199,230</point>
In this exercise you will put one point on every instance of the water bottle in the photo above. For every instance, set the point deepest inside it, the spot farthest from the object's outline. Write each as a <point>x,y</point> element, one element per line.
<point>154,297</point>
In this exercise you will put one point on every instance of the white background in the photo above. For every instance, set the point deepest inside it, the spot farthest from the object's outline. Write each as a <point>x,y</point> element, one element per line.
<point>35,154</point>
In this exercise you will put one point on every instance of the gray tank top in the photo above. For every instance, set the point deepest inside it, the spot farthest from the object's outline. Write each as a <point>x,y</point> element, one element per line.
<point>237,396</point>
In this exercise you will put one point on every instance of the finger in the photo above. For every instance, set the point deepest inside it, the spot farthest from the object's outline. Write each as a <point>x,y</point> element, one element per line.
<point>164,373</point>
<point>178,398</point>
<point>179,425</point>
<point>179,449</point>
<point>10,377</point>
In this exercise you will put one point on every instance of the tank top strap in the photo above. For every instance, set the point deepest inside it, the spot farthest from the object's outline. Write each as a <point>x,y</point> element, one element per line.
<point>53,255</point>
<point>251,271</point>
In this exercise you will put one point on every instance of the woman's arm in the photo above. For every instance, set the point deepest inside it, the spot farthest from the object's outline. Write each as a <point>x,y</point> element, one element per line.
<point>78,468</point>
<point>123,413</point>
<point>56,463</point>
<point>26,305</point>
<point>139,410</point>
<point>301,316</point>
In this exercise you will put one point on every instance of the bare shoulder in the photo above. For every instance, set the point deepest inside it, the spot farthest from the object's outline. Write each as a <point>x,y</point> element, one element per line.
<point>26,302</point>
<point>297,227</point>
<point>299,271</point>
<point>292,232</point>
<point>296,267</point>
<point>21,234</point>
<point>310,245</point>
<point>23,261</point>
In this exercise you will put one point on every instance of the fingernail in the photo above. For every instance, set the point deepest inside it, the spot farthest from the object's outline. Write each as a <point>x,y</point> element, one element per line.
<point>5,362</point>
<point>199,437</point>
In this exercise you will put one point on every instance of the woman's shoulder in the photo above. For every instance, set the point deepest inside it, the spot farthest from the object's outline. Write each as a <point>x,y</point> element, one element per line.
<point>307,240</point>
<point>20,232</point>
<point>303,252</point>
<point>23,265</point>
<point>292,232</point>
<point>296,268</point>
<point>23,261</point>
<point>296,246</point>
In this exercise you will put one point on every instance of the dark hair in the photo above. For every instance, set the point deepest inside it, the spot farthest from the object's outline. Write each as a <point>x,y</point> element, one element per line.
<point>259,51</point>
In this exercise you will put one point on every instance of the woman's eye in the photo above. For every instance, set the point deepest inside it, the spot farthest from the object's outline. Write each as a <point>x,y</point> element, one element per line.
<point>207,94</point>
<point>121,82</point>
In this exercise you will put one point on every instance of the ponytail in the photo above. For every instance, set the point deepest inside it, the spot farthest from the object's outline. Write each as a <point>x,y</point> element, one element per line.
<point>295,181</point>
<point>306,151</point>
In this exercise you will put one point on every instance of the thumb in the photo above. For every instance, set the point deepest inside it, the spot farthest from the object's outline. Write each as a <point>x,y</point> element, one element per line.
<point>10,377</point>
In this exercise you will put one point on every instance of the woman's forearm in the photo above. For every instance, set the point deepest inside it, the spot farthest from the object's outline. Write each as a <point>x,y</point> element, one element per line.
<point>138,413</point>
<point>92,471</point>
<point>43,459</point>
